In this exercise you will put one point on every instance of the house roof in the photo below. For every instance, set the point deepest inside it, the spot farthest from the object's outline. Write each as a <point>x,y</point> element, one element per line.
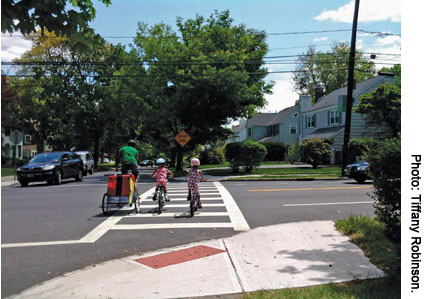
<point>267,119</point>
<point>326,133</point>
<point>238,128</point>
<point>283,114</point>
<point>332,98</point>
<point>262,119</point>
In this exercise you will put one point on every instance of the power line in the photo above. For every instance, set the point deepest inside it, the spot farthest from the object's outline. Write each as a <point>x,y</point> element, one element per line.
<point>378,33</point>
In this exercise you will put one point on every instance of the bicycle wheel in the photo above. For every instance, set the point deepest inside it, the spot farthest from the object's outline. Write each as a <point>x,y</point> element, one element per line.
<point>160,201</point>
<point>105,207</point>
<point>137,203</point>
<point>192,204</point>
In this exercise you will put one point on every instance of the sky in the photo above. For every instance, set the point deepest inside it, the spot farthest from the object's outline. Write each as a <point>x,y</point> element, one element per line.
<point>118,23</point>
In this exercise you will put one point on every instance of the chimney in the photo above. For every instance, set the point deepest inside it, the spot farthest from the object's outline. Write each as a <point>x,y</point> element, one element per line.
<point>319,91</point>
<point>304,102</point>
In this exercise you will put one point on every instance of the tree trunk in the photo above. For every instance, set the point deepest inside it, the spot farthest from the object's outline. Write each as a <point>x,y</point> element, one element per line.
<point>96,151</point>
<point>179,158</point>
<point>173,157</point>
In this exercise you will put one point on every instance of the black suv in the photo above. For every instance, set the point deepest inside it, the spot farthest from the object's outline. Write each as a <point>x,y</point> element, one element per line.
<point>51,167</point>
<point>358,171</point>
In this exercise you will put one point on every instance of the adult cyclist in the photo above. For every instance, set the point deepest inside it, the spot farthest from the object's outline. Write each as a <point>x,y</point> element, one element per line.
<point>129,157</point>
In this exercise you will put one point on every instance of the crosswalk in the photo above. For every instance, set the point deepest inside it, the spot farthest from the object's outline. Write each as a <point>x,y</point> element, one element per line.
<point>219,210</point>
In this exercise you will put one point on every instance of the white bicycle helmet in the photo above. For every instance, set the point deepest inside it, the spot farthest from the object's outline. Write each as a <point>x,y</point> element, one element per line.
<point>160,161</point>
<point>195,162</point>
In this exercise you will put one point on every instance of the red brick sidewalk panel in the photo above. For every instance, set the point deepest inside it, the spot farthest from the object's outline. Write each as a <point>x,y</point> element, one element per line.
<point>178,256</point>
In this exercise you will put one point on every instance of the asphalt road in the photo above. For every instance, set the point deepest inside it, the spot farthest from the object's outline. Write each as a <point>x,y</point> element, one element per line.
<point>48,231</point>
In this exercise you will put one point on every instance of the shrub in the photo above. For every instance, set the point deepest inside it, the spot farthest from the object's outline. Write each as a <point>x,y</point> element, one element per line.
<point>248,154</point>
<point>293,153</point>
<point>314,151</point>
<point>275,150</point>
<point>212,155</point>
<point>385,170</point>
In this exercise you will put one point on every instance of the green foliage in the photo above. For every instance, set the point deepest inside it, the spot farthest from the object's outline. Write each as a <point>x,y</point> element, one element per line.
<point>247,154</point>
<point>212,155</point>
<point>383,108</point>
<point>329,68</point>
<point>215,76</point>
<point>360,147</point>
<point>275,150</point>
<point>52,15</point>
<point>385,170</point>
<point>293,153</point>
<point>314,151</point>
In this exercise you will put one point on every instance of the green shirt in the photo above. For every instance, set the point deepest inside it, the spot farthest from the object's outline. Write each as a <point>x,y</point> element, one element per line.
<point>128,154</point>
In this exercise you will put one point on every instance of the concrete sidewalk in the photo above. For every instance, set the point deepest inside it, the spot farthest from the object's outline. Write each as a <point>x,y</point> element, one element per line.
<point>279,256</point>
<point>8,181</point>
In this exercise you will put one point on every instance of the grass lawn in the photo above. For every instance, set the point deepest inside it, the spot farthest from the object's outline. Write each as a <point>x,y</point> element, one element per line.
<point>368,234</point>
<point>7,171</point>
<point>329,171</point>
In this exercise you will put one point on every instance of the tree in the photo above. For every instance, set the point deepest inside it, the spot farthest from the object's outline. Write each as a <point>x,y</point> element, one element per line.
<point>68,99</point>
<point>293,153</point>
<point>214,65</point>
<point>314,151</point>
<point>383,108</point>
<point>385,169</point>
<point>51,15</point>
<point>329,68</point>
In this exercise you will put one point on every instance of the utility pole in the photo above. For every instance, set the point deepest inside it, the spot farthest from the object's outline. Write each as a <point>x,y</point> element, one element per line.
<point>351,66</point>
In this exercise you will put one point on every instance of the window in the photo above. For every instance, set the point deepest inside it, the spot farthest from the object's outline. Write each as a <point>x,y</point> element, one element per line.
<point>273,130</point>
<point>249,132</point>
<point>19,151</point>
<point>334,117</point>
<point>295,115</point>
<point>293,128</point>
<point>311,121</point>
<point>27,139</point>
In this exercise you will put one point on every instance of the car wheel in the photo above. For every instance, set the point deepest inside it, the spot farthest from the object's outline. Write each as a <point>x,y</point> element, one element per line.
<point>85,172</point>
<point>91,170</point>
<point>58,177</point>
<point>23,183</point>
<point>360,179</point>
<point>79,176</point>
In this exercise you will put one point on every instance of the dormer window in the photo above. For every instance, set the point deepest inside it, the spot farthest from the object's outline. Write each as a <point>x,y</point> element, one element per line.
<point>334,117</point>
<point>295,115</point>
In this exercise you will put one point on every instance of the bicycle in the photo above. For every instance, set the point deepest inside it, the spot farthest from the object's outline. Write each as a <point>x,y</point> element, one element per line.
<point>161,198</point>
<point>193,203</point>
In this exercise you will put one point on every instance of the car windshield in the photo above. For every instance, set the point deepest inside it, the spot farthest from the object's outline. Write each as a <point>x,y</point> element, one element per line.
<point>47,157</point>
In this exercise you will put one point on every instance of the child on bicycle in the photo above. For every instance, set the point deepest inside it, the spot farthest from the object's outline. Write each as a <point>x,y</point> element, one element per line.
<point>161,175</point>
<point>193,178</point>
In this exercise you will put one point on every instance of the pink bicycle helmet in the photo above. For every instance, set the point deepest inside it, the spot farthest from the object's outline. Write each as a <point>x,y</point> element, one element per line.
<point>195,162</point>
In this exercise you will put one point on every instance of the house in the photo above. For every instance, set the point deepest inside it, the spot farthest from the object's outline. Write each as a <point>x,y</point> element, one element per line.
<point>11,142</point>
<point>325,119</point>
<point>239,131</point>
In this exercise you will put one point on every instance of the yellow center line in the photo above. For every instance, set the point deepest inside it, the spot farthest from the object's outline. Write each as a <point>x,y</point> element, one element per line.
<point>310,189</point>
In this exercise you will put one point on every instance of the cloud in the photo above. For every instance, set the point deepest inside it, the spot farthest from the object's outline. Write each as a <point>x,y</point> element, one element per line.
<point>14,47</point>
<point>282,95</point>
<point>369,11</point>
<point>319,39</point>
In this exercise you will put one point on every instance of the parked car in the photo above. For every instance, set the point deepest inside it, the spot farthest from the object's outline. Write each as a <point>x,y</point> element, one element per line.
<point>147,163</point>
<point>358,171</point>
<point>51,167</point>
<point>88,161</point>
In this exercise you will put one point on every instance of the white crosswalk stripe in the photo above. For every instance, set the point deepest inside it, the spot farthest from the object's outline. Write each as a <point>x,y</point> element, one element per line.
<point>213,196</point>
